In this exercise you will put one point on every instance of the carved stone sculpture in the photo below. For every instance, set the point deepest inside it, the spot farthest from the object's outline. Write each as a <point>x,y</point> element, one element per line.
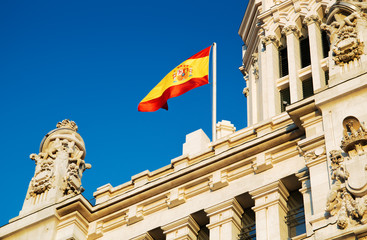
<point>347,198</point>
<point>60,163</point>
<point>255,65</point>
<point>343,29</point>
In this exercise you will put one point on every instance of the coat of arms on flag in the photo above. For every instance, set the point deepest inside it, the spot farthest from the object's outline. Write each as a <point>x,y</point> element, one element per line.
<point>182,72</point>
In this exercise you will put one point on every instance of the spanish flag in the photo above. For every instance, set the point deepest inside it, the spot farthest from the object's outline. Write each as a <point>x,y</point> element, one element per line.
<point>190,74</point>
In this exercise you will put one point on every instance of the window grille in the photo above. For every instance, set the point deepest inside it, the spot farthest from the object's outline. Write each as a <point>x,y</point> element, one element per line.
<point>307,88</point>
<point>285,98</point>
<point>295,218</point>
<point>248,230</point>
<point>283,62</point>
<point>305,52</point>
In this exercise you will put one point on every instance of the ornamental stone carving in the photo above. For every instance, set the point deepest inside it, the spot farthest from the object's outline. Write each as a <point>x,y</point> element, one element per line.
<point>60,163</point>
<point>347,198</point>
<point>345,23</point>
<point>271,39</point>
<point>246,91</point>
<point>255,65</point>
<point>312,19</point>
<point>292,29</point>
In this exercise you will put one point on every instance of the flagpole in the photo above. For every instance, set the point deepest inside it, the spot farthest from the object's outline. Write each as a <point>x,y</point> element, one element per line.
<point>214,104</point>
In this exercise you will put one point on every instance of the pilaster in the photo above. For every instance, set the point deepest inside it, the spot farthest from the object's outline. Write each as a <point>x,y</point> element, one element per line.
<point>270,211</point>
<point>225,220</point>
<point>319,179</point>
<point>253,82</point>
<point>183,229</point>
<point>262,97</point>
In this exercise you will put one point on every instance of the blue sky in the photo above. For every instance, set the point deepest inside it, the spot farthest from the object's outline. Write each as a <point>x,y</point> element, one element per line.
<point>93,62</point>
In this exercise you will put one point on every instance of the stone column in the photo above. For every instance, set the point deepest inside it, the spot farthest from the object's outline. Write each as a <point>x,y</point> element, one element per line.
<point>225,220</point>
<point>183,229</point>
<point>294,62</point>
<point>304,178</point>
<point>271,93</point>
<point>270,211</point>
<point>314,36</point>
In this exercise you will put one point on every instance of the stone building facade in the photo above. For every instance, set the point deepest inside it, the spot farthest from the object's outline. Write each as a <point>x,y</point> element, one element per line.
<point>298,171</point>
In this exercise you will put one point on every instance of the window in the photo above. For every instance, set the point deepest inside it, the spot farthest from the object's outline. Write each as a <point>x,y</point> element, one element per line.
<point>283,62</point>
<point>325,44</point>
<point>295,218</point>
<point>285,98</point>
<point>326,77</point>
<point>202,220</point>
<point>248,230</point>
<point>307,88</point>
<point>305,52</point>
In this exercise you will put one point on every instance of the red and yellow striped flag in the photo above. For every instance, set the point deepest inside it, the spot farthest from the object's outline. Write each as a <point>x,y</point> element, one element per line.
<point>190,74</point>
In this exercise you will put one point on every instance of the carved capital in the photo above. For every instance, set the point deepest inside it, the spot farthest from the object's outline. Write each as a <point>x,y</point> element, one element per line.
<point>291,29</point>
<point>312,19</point>
<point>271,39</point>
